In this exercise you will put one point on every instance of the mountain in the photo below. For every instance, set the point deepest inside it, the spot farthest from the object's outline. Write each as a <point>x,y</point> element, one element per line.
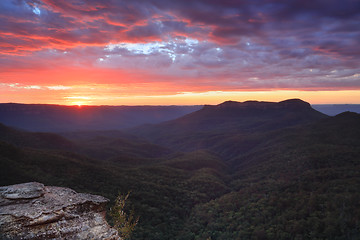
<point>233,121</point>
<point>301,184</point>
<point>116,146</point>
<point>57,118</point>
<point>163,191</point>
<point>259,170</point>
<point>334,109</point>
<point>34,139</point>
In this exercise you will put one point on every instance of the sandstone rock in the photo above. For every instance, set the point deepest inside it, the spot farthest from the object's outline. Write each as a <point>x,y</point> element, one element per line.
<point>34,211</point>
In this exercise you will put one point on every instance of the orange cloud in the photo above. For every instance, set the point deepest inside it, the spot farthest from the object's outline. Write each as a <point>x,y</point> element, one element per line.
<point>103,49</point>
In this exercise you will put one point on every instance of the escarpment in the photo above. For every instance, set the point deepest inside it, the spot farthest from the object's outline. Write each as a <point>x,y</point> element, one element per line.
<point>34,211</point>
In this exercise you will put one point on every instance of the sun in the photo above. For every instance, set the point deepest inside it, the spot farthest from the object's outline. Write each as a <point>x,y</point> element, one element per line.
<point>78,100</point>
<point>78,103</point>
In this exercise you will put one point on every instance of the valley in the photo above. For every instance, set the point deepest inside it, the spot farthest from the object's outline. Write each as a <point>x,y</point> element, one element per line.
<point>250,170</point>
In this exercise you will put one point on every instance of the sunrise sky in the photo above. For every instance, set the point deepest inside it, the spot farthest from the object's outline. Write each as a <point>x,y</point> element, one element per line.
<point>162,52</point>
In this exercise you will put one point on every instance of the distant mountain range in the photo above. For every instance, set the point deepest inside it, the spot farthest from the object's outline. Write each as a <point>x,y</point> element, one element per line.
<point>335,109</point>
<point>237,170</point>
<point>57,118</point>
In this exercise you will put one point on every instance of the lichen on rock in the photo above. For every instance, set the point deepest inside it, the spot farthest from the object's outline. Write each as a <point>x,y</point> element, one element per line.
<point>34,211</point>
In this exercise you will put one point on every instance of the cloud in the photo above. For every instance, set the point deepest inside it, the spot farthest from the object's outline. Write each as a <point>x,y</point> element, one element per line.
<point>58,87</point>
<point>184,45</point>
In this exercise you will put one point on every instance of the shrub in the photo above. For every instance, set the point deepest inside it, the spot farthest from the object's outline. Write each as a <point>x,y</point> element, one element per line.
<point>123,222</point>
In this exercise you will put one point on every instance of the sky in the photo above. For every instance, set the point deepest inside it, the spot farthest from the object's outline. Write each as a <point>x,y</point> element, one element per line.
<point>183,52</point>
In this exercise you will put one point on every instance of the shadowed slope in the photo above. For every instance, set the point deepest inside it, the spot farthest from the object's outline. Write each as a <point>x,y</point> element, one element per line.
<point>102,145</point>
<point>275,183</point>
<point>213,124</point>
<point>35,139</point>
<point>303,182</point>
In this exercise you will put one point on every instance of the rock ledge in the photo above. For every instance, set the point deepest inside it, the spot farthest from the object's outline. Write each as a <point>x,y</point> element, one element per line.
<point>34,211</point>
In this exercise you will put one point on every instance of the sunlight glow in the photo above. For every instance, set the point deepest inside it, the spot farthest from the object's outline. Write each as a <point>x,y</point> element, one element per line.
<point>78,103</point>
<point>217,97</point>
<point>79,100</point>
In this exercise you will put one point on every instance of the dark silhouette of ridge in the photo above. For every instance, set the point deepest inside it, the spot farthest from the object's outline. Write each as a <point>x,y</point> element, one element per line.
<point>34,139</point>
<point>231,117</point>
<point>256,107</point>
<point>98,145</point>
<point>335,109</point>
<point>58,118</point>
<point>347,115</point>
<point>290,103</point>
<point>298,166</point>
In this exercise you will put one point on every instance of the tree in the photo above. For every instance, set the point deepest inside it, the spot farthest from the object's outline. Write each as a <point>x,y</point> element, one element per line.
<point>123,222</point>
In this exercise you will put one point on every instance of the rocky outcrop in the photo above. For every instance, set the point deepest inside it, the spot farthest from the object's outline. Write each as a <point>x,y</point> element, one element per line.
<point>34,211</point>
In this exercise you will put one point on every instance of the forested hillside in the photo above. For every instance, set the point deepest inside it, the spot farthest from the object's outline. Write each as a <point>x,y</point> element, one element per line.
<point>252,170</point>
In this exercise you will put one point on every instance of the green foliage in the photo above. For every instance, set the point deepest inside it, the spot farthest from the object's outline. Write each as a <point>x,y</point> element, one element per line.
<point>124,222</point>
<point>301,184</point>
<point>162,195</point>
<point>292,183</point>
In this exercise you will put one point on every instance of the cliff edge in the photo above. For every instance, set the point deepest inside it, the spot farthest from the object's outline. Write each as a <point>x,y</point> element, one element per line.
<point>34,211</point>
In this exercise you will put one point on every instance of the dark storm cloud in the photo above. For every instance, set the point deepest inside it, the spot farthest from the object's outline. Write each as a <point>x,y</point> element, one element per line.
<point>151,18</point>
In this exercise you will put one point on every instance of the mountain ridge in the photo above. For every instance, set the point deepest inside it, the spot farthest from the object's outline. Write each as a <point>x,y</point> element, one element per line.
<point>61,118</point>
<point>278,177</point>
<point>228,118</point>
<point>294,102</point>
